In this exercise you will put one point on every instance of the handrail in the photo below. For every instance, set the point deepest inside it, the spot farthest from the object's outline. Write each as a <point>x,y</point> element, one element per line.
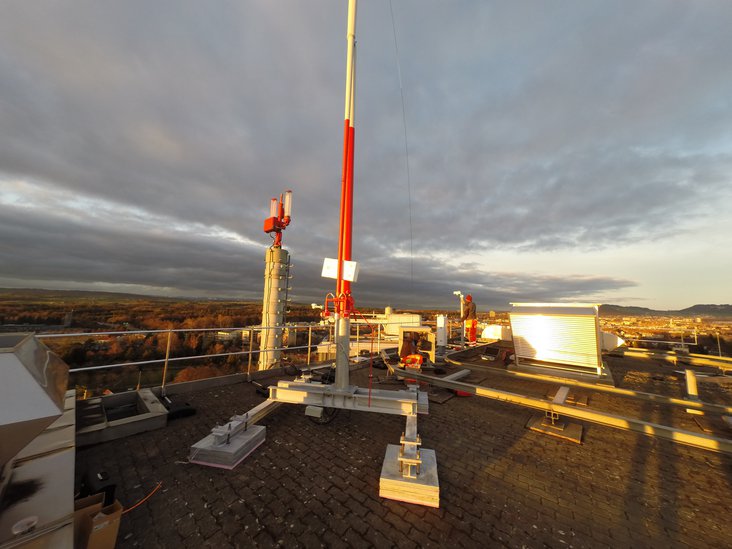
<point>376,334</point>
<point>176,359</point>
<point>165,331</point>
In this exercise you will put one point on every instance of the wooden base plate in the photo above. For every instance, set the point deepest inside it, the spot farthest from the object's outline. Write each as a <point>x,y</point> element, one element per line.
<point>560,429</point>
<point>424,490</point>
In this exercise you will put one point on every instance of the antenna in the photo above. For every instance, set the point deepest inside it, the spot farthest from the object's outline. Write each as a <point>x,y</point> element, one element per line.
<point>279,217</point>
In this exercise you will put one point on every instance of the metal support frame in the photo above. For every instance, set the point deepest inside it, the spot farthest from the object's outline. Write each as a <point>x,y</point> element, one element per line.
<point>724,364</point>
<point>238,423</point>
<point>409,457</point>
<point>553,424</point>
<point>627,393</point>
<point>402,403</point>
<point>681,436</point>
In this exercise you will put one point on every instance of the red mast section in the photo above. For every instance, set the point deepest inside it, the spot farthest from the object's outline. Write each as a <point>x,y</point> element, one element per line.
<point>344,300</point>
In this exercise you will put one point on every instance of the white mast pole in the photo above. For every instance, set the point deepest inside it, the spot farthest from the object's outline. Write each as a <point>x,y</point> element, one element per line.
<point>343,287</point>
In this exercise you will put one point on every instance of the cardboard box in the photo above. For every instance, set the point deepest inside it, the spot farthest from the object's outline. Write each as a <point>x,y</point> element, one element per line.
<point>85,507</point>
<point>99,528</point>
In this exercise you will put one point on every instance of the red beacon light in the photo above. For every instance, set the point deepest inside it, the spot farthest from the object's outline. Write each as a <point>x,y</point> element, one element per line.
<point>279,217</point>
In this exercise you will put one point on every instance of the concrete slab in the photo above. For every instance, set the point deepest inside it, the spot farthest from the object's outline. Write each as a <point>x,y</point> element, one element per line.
<point>423,490</point>
<point>228,456</point>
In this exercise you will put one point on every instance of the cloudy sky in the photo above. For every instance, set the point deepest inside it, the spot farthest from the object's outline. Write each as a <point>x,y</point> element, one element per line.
<point>558,151</point>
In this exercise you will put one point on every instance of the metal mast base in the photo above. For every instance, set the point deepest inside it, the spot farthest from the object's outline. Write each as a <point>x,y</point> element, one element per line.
<point>409,472</point>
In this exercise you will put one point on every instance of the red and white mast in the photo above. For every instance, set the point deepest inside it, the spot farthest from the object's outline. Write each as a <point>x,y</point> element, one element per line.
<point>344,300</point>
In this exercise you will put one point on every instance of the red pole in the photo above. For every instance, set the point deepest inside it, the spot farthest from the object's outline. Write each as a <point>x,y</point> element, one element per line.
<point>343,287</point>
<point>344,192</point>
<point>348,226</point>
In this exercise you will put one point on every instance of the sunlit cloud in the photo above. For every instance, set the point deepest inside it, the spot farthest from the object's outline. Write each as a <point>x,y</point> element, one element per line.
<point>141,145</point>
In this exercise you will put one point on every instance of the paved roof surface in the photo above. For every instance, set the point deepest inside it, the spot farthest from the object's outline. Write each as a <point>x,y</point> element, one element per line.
<point>500,484</point>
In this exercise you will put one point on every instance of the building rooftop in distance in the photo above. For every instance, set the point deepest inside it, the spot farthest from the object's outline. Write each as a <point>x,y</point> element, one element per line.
<point>501,484</point>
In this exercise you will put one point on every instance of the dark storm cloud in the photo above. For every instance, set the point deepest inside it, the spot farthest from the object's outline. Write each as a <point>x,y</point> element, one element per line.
<point>52,248</point>
<point>434,282</point>
<point>531,127</point>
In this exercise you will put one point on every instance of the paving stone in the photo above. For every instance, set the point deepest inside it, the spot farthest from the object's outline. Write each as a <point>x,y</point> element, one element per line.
<point>207,526</point>
<point>194,541</point>
<point>497,481</point>
<point>263,539</point>
<point>355,540</point>
<point>310,540</point>
<point>398,522</point>
<point>217,540</point>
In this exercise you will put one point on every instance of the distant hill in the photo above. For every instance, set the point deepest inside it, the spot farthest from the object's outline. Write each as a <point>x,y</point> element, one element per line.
<point>717,311</point>
<point>15,294</point>
<point>708,310</point>
<point>8,295</point>
<point>619,310</point>
<point>40,295</point>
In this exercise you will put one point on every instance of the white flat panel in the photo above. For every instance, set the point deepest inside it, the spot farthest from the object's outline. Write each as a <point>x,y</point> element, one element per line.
<point>330,269</point>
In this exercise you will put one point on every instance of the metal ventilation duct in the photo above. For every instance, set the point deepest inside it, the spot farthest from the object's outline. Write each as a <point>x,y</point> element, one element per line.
<point>33,382</point>
<point>565,334</point>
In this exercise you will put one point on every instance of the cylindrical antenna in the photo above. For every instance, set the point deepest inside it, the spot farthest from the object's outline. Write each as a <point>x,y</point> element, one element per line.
<point>273,207</point>
<point>288,203</point>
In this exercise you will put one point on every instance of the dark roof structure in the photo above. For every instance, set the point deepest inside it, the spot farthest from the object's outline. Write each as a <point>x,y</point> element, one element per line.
<point>501,484</point>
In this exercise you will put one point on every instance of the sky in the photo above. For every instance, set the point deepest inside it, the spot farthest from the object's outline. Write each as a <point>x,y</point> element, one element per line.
<point>543,151</point>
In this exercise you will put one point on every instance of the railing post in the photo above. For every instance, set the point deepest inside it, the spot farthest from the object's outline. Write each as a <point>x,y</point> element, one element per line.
<point>310,340</point>
<point>378,341</point>
<point>331,343</point>
<point>719,347</point>
<point>165,366</point>
<point>251,343</point>
<point>358,340</point>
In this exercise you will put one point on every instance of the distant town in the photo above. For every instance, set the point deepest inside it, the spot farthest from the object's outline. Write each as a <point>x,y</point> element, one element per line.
<point>702,329</point>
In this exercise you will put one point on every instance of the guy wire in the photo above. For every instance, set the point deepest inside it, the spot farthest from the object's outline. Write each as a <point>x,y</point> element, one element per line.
<point>406,146</point>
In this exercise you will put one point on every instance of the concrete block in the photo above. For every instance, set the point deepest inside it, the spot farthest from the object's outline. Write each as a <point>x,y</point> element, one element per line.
<point>228,456</point>
<point>423,490</point>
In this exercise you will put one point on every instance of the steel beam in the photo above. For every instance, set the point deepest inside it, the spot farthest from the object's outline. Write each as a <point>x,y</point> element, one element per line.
<point>721,362</point>
<point>240,422</point>
<point>628,393</point>
<point>602,418</point>
<point>404,403</point>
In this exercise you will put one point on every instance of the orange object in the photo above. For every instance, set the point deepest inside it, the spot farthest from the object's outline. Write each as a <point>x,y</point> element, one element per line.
<point>413,362</point>
<point>472,327</point>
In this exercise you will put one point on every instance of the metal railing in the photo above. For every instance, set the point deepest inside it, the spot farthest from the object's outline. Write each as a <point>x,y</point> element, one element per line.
<point>377,337</point>
<point>168,359</point>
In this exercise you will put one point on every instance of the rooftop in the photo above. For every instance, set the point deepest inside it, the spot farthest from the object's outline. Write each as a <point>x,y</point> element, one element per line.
<point>315,485</point>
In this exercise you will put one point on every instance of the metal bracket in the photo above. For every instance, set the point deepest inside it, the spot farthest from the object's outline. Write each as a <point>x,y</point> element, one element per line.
<point>404,403</point>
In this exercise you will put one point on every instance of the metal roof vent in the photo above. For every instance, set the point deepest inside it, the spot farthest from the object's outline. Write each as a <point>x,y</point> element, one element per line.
<point>564,335</point>
<point>33,381</point>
